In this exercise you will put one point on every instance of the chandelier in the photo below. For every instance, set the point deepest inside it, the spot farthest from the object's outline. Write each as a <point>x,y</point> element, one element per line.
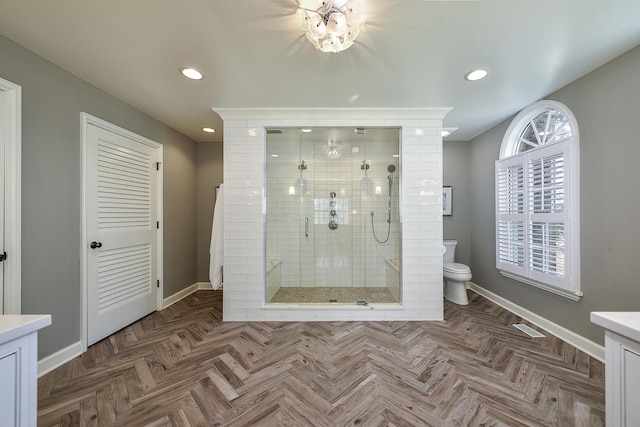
<point>331,25</point>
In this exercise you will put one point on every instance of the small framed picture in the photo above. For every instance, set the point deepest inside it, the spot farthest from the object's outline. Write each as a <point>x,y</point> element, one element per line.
<point>446,200</point>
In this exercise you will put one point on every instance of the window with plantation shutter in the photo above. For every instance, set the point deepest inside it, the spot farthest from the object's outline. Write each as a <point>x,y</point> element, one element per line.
<point>537,200</point>
<point>511,217</point>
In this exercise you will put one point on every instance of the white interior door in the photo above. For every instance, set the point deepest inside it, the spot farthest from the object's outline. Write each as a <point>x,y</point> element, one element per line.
<point>121,230</point>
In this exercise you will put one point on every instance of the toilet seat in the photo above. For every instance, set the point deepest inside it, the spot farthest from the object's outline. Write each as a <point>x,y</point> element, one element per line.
<point>456,268</point>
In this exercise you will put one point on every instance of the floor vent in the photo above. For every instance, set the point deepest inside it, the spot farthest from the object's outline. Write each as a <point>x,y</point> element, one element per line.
<point>529,331</point>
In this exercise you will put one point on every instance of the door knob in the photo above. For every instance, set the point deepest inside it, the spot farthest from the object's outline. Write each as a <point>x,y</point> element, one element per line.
<point>95,245</point>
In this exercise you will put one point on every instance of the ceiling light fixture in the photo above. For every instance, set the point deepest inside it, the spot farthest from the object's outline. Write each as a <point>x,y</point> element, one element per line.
<point>447,131</point>
<point>191,73</point>
<point>209,130</point>
<point>477,74</point>
<point>331,25</point>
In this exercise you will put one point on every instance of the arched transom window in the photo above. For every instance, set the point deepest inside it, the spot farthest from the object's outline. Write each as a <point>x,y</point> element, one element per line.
<point>537,200</point>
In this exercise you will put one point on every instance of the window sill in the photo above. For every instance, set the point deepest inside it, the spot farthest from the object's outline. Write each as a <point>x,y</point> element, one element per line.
<point>574,296</point>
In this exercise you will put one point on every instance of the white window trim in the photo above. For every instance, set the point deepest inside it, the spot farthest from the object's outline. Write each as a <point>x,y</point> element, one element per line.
<point>572,184</point>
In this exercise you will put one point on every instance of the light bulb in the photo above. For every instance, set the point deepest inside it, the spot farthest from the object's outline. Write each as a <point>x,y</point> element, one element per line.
<point>337,24</point>
<point>476,74</point>
<point>191,73</point>
<point>323,6</point>
<point>332,44</point>
<point>317,27</point>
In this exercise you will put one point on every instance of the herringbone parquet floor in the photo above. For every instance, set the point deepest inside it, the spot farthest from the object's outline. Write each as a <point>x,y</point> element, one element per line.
<point>184,367</point>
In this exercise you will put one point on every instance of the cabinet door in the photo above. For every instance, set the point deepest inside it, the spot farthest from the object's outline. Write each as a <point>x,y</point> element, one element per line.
<point>9,371</point>
<point>631,386</point>
<point>18,382</point>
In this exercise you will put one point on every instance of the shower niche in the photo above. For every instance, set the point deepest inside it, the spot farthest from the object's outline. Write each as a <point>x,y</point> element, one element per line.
<point>332,221</point>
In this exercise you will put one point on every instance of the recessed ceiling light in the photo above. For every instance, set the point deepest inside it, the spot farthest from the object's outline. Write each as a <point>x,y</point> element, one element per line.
<point>305,130</point>
<point>448,131</point>
<point>477,74</point>
<point>191,73</point>
<point>210,130</point>
<point>275,155</point>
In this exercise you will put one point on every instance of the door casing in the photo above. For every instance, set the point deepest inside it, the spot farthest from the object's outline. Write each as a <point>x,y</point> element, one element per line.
<point>12,123</point>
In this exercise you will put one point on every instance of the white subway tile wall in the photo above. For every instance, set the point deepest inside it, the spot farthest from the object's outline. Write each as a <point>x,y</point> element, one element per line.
<point>245,199</point>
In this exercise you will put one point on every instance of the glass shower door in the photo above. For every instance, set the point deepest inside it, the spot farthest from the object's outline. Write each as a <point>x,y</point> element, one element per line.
<point>332,216</point>
<point>328,267</point>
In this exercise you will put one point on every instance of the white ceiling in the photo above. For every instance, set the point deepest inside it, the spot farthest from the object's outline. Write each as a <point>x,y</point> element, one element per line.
<point>410,53</point>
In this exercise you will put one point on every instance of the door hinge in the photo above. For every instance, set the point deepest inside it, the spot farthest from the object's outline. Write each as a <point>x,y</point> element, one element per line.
<point>3,256</point>
<point>157,166</point>
<point>158,284</point>
<point>158,225</point>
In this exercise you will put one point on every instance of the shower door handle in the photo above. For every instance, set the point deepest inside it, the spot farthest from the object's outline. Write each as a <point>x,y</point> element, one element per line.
<point>306,226</point>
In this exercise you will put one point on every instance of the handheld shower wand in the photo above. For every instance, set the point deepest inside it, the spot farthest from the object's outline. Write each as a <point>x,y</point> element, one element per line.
<point>391,169</point>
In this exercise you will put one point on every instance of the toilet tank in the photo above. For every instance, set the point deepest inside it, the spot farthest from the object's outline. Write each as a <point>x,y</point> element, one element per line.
<point>449,255</point>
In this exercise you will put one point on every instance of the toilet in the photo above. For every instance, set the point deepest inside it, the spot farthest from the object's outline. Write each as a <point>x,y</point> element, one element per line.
<point>455,274</point>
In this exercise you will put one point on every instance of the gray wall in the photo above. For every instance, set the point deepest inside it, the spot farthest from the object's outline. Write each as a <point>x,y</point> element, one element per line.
<point>210,172</point>
<point>606,104</point>
<point>456,174</point>
<point>52,100</point>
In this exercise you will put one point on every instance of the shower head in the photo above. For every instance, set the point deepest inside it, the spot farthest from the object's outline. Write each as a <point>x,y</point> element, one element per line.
<point>391,168</point>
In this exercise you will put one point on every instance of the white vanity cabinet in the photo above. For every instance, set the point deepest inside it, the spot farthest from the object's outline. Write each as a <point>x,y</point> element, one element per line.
<point>19,368</point>
<point>622,366</point>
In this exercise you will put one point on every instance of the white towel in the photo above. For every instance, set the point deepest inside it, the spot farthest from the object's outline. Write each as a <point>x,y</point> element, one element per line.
<point>216,250</point>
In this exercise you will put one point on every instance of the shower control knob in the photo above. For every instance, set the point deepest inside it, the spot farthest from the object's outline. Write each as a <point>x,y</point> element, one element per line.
<point>332,212</point>
<point>332,194</point>
<point>333,224</point>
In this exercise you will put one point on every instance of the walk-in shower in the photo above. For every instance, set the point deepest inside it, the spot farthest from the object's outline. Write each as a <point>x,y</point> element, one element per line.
<point>332,217</point>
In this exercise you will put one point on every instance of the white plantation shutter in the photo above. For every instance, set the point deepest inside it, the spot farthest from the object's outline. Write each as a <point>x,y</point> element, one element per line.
<point>537,201</point>
<point>511,216</point>
<point>531,215</point>
<point>547,215</point>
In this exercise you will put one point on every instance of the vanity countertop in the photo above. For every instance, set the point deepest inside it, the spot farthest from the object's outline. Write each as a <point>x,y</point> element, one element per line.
<point>14,326</point>
<point>625,323</point>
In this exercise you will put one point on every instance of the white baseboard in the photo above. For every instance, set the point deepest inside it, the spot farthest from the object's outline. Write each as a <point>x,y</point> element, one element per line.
<point>186,291</point>
<point>204,286</point>
<point>578,341</point>
<point>59,358</point>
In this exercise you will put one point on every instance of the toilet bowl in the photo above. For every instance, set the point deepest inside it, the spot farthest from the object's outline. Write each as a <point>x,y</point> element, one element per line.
<point>455,275</point>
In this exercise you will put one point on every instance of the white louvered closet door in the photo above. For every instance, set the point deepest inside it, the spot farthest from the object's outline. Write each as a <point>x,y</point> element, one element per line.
<point>121,229</point>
